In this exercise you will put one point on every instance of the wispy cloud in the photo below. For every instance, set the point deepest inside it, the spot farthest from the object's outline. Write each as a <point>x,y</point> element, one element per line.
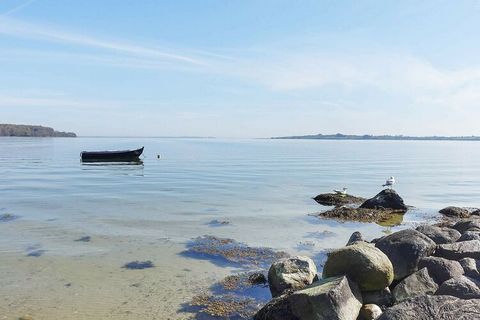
<point>16,28</point>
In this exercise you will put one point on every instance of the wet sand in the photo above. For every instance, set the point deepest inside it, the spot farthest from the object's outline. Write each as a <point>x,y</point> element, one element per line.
<point>95,286</point>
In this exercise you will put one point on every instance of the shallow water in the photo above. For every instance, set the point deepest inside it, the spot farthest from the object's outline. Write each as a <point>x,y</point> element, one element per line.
<point>263,188</point>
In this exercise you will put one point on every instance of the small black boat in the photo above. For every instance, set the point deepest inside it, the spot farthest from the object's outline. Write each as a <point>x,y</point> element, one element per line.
<point>112,156</point>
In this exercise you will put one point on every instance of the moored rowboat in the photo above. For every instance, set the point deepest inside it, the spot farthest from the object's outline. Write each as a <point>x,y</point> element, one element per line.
<point>111,156</point>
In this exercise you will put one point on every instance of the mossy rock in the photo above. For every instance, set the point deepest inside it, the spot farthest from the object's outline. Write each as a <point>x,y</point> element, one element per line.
<point>369,267</point>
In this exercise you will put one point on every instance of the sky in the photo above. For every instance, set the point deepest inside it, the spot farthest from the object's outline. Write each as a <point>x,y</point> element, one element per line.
<point>241,68</point>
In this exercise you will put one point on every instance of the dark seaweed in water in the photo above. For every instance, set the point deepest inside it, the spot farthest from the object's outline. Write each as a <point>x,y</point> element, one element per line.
<point>238,296</point>
<point>36,253</point>
<point>138,265</point>
<point>233,251</point>
<point>84,239</point>
<point>226,306</point>
<point>6,217</point>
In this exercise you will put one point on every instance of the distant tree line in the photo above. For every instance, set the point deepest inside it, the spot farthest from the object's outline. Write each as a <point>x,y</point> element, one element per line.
<point>340,136</point>
<point>16,130</point>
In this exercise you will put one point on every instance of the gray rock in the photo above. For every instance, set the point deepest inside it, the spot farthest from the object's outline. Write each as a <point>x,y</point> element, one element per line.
<point>417,284</point>
<point>434,308</point>
<point>475,212</point>
<point>335,298</point>
<point>439,235</point>
<point>461,287</point>
<point>382,298</point>
<point>369,267</point>
<point>469,235</point>
<point>441,269</point>
<point>459,250</point>
<point>466,225</point>
<point>370,312</point>
<point>469,266</point>
<point>455,212</point>
<point>276,309</point>
<point>335,199</point>
<point>354,238</point>
<point>404,249</point>
<point>387,199</point>
<point>331,298</point>
<point>291,273</point>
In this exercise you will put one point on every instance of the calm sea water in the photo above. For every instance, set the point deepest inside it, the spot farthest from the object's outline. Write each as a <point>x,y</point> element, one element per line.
<point>264,187</point>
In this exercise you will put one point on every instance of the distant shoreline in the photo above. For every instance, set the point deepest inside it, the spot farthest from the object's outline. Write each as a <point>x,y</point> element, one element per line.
<point>340,136</point>
<point>34,131</point>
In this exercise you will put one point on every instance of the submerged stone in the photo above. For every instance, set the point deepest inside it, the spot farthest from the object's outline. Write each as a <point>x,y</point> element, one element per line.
<point>138,265</point>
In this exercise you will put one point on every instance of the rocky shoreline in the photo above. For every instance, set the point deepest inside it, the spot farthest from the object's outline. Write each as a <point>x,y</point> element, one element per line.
<point>431,272</point>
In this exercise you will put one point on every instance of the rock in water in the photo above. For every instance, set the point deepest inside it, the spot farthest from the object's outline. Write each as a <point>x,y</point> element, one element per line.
<point>433,308</point>
<point>461,287</point>
<point>459,250</point>
<point>335,199</point>
<point>387,199</point>
<point>369,267</point>
<point>439,235</point>
<point>335,298</point>
<point>291,273</point>
<point>416,284</point>
<point>455,212</point>
<point>441,269</point>
<point>370,312</point>
<point>404,249</point>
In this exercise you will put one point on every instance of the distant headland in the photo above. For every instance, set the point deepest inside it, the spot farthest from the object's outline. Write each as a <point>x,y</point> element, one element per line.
<point>21,130</point>
<point>340,136</point>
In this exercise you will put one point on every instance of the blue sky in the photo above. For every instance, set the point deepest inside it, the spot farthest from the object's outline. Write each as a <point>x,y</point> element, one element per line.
<point>241,68</point>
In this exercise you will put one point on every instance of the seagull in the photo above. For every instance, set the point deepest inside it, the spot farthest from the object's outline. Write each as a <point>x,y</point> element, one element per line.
<point>342,192</point>
<point>389,183</point>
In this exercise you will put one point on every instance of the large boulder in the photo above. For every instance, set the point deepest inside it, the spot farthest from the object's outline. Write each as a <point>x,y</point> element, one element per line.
<point>469,235</point>
<point>459,250</point>
<point>369,267</point>
<point>441,269</point>
<point>438,234</point>
<point>466,225</point>
<point>291,273</point>
<point>335,298</point>
<point>461,287</point>
<point>382,298</point>
<point>433,308</point>
<point>369,312</point>
<point>470,268</point>
<point>417,284</point>
<point>386,199</point>
<point>404,249</point>
<point>455,212</point>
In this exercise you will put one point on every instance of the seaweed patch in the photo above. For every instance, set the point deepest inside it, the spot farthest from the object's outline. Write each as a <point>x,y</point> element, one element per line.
<point>138,265</point>
<point>232,251</point>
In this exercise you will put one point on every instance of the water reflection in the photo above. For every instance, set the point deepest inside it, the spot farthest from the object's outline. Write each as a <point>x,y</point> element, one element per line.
<point>124,168</point>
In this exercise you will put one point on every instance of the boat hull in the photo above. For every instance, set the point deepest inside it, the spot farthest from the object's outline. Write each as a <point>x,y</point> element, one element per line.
<point>112,156</point>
